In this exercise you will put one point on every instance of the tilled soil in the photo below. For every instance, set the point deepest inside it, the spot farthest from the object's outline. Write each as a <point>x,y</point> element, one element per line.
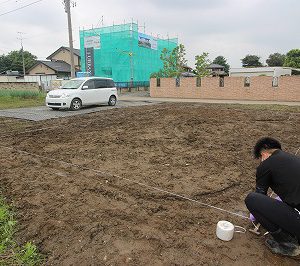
<point>78,216</point>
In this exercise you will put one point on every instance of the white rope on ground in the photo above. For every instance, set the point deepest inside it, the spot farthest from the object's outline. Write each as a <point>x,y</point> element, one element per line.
<point>53,127</point>
<point>28,131</point>
<point>129,180</point>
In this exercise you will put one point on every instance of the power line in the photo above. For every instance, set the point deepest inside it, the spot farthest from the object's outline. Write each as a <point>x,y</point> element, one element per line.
<point>4,2</point>
<point>8,12</point>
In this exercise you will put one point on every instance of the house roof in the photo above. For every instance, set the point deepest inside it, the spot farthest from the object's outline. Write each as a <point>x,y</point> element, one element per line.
<point>76,51</point>
<point>188,74</point>
<point>211,66</point>
<point>187,67</point>
<point>57,66</point>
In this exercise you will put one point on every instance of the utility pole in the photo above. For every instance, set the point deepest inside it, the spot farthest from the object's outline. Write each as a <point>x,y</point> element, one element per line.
<point>67,4</point>
<point>22,51</point>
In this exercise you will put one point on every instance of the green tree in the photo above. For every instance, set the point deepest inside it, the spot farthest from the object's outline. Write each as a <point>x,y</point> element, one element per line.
<point>173,62</point>
<point>14,61</point>
<point>292,58</point>
<point>220,60</point>
<point>251,61</point>
<point>5,63</point>
<point>275,59</point>
<point>202,62</point>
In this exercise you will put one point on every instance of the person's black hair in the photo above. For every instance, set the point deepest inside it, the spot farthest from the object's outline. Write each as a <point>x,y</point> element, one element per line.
<point>266,143</point>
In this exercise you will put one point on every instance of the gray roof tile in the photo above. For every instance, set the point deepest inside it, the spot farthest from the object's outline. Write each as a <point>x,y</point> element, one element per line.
<point>58,66</point>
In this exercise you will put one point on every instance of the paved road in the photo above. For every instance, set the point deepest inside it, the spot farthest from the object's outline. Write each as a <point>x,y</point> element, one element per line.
<point>43,113</point>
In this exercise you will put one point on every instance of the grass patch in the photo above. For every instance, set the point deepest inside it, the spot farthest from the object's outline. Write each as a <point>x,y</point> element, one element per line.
<point>21,98</point>
<point>10,252</point>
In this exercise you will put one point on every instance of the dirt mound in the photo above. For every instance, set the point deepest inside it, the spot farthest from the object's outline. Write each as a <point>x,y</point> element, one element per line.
<point>79,217</point>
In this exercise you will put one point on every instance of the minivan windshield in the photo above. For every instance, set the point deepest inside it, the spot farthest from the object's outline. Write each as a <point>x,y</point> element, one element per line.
<point>72,84</point>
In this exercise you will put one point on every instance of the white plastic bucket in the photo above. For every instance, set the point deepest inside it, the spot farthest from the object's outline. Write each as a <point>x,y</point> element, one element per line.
<point>225,230</point>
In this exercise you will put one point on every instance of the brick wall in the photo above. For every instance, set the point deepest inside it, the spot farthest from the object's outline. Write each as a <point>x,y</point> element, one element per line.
<point>32,86</point>
<point>260,88</point>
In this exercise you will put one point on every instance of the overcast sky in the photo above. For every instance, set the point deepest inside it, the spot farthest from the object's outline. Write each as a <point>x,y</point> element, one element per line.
<point>232,28</point>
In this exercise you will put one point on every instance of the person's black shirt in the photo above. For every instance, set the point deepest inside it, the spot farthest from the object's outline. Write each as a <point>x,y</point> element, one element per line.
<point>280,172</point>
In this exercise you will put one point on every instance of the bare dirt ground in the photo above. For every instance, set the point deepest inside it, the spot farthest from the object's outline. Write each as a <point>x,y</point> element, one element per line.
<point>78,217</point>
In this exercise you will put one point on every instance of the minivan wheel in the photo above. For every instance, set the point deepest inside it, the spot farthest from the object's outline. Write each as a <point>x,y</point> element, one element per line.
<point>76,104</point>
<point>112,100</point>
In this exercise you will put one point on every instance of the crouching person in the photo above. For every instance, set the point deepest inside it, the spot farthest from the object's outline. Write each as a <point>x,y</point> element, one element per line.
<point>279,171</point>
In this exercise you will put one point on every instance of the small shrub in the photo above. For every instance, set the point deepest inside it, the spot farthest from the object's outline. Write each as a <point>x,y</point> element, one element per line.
<point>7,225</point>
<point>28,255</point>
<point>11,254</point>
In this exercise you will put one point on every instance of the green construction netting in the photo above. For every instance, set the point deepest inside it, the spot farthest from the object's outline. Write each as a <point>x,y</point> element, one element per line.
<point>121,55</point>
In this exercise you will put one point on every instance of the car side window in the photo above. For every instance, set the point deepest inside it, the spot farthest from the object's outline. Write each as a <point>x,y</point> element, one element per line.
<point>110,83</point>
<point>100,83</point>
<point>90,84</point>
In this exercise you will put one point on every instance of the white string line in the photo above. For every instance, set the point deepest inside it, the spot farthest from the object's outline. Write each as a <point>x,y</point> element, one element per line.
<point>129,180</point>
<point>45,128</point>
<point>256,226</point>
<point>28,131</point>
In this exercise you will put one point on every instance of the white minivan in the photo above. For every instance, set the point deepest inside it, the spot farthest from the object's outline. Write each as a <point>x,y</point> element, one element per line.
<point>80,92</point>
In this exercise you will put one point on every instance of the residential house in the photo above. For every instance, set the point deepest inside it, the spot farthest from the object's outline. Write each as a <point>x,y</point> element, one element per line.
<point>59,64</point>
<point>216,70</point>
<point>262,71</point>
<point>63,54</point>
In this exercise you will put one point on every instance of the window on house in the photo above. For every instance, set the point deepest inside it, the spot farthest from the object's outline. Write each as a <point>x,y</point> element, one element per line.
<point>157,82</point>
<point>198,82</point>
<point>177,82</point>
<point>247,82</point>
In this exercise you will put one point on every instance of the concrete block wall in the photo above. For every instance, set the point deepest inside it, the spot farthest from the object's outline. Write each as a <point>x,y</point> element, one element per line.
<point>260,89</point>
<point>32,86</point>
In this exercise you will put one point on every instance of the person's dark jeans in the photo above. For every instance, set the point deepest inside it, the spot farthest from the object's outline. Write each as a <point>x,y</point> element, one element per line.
<point>273,214</point>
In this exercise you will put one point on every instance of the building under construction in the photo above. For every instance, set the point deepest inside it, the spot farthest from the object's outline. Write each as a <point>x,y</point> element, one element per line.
<point>123,53</point>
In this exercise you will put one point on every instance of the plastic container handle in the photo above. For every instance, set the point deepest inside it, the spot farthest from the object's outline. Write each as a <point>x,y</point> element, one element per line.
<point>242,229</point>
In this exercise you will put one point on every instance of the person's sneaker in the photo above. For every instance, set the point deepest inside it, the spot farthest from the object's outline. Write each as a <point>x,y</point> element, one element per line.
<point>281,236</point>
<point>289,247</point>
